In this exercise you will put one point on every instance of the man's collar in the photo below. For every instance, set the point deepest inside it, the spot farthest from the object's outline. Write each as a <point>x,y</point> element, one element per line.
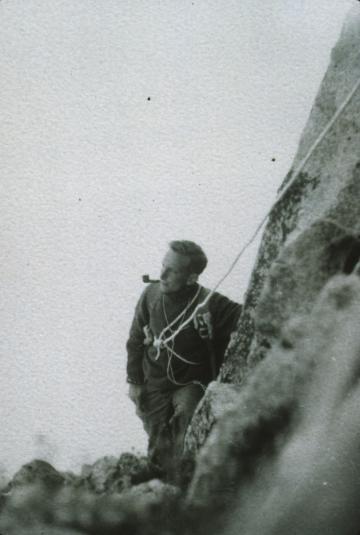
<point>182,295</point>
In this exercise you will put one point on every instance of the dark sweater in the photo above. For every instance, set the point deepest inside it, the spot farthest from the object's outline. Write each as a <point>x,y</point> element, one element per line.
<point>156,310</point>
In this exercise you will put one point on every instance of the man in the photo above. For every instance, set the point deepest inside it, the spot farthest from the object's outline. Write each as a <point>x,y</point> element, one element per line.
<point>170,364</point>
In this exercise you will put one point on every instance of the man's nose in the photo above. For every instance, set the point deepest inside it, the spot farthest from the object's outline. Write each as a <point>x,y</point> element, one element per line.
<point>164,274</point>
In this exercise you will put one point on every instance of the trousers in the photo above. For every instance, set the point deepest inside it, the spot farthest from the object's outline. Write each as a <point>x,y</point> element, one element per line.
<point>166,416</point>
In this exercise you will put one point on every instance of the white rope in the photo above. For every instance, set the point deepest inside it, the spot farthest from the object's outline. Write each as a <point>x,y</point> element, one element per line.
<point>171,376</point>
<point>158,339</point>
<point>183,359</point>
<point>180,316</point>
<point>281,195</point>
<point>318,140</point>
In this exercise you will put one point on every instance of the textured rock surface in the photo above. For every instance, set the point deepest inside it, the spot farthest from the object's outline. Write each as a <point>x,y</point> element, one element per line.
<point>313,231</point>
<point>262,415</point>
<point>309,482</point>
<point>110,474</point>
<point>36,472</point>
<point>327,188</point>
<point>111,496</point>
<point>299,420</point>
<point>153,491</point>
<point>219,399</point>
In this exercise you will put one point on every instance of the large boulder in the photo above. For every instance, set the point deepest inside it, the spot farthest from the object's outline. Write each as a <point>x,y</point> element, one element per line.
<point>37,472</point>
<point>292,428</point>
<point>288,462</point>
<point>312,232</point>
<point>110,474</point>
<point>326,191</point>
<point>111,496</point>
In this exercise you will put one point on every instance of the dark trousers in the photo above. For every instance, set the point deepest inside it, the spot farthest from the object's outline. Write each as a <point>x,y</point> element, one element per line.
<point>166,416</point>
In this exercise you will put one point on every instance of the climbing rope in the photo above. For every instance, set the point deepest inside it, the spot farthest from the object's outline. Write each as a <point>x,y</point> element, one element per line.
<point>282,193</point>
<point>158,339</point>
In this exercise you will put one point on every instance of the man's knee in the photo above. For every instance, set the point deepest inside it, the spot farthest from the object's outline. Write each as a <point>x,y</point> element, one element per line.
<point>154,408</point>
<point>185,401</point>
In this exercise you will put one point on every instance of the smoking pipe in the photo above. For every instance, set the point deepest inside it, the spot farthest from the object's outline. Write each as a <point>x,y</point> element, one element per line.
<point>146,279</point>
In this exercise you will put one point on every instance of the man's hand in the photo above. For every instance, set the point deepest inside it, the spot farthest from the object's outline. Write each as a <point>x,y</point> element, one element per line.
<point>135,393</point>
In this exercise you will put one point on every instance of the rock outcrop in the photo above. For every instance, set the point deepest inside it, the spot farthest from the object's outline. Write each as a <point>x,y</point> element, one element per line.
<point>109,474</point>
<point>110,496</point>
<point>326,192</point>
<point>312,232</point>
<point>36,472</point>
<point>306,479</point>
<point>296,434</point>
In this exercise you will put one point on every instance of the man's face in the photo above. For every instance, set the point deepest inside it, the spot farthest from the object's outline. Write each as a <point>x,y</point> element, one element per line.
<point>175,273</point>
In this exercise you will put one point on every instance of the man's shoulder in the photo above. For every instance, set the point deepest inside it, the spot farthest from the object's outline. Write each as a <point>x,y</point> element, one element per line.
<point>220,303</point>
<point>151,293</point>
<point>148,299</point>
<point>216,297</point>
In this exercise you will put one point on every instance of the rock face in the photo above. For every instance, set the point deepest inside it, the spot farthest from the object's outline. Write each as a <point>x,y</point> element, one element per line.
<point>318,212</point>
<point>312,233</point>
<point>306,479</point>
<point>295,425</point>
<point>219,399</point>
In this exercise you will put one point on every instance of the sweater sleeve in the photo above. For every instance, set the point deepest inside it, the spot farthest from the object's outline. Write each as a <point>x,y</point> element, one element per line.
<point>135,343</point>
<point>225,314</point>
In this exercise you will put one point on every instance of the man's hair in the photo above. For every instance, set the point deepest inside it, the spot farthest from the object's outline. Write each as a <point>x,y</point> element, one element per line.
<point>198,259</point>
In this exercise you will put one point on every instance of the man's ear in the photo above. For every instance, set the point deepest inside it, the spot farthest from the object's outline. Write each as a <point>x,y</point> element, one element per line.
<point>192,279</point>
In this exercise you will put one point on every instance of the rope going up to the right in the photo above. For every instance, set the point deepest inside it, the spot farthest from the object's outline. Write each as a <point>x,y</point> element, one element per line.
<point>280,196</point>
<point>317,141</point>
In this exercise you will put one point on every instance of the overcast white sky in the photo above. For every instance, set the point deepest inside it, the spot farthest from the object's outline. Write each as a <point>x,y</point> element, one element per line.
<point>126,124</point>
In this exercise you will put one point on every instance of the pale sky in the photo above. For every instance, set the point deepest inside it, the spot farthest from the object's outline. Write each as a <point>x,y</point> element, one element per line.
<point>126,124</point>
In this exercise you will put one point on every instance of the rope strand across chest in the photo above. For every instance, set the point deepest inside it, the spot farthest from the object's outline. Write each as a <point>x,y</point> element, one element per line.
<point>170,328</point>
